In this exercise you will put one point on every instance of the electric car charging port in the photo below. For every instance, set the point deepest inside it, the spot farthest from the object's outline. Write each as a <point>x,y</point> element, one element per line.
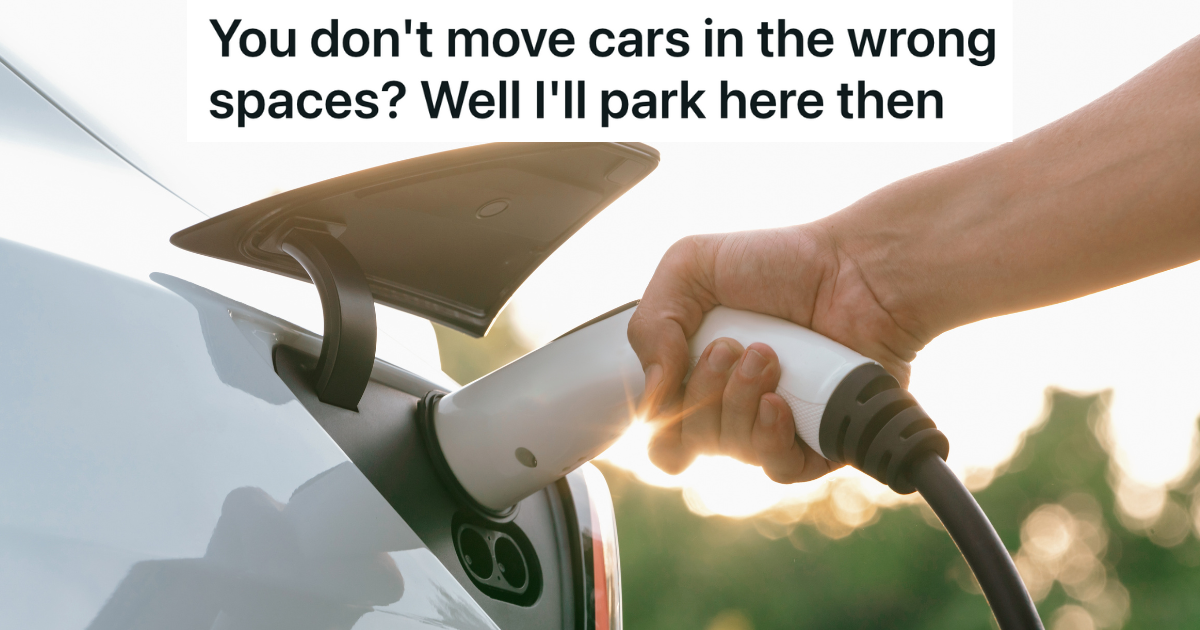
<point>493,558</point>
<point>476,553</point>
<point>498,558</point>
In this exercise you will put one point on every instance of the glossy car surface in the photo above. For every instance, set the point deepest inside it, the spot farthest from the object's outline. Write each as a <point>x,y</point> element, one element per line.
<point>151,460</point>
<point>163,463</point>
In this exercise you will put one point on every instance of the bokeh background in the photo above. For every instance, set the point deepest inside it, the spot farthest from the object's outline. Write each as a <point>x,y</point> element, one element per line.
<point>1097,548</point>
<point>1075,424</point>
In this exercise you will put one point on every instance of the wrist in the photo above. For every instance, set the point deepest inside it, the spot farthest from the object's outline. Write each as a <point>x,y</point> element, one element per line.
<point>918,243</point>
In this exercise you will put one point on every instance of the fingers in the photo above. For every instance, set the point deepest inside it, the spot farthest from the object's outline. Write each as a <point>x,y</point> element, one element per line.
<point>671,309</point>
<point>757,373</point>
<point>701,426</point>
<point>662,348</point>
<point>729,407</point>
<point>693,425</point>
<point>782,455</point>
<point>661,345</point>
<point>900,369</point>
<point>666,450</point>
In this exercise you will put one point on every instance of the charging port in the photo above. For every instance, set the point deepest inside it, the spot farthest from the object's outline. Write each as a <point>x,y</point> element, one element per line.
<point>498,558</point>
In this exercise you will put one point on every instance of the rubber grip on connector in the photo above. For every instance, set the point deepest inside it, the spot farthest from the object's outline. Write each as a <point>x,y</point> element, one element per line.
<point>873,424</point>
<point>876,426</point>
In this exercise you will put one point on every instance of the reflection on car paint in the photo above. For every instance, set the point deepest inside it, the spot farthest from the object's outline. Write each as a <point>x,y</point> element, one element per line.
<point>139,482</point>
<point>234,361</point>
<point>322,561</point>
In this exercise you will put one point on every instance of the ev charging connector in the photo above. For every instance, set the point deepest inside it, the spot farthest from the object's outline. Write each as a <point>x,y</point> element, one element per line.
<point>511,433</point>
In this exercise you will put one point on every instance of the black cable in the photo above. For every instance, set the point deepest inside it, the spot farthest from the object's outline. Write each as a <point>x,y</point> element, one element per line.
<point>873,424</point>
<point>978,542</point>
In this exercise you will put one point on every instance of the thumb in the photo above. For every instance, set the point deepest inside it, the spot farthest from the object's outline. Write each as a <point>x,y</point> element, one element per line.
<point>661,346</point>
<point>671,309</point>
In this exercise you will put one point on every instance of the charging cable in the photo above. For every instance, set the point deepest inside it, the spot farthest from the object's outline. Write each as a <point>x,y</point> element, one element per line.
<point>876,426</point>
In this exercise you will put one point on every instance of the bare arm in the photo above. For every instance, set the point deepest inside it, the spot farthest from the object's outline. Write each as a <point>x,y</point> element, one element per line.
<point>1104,196</point>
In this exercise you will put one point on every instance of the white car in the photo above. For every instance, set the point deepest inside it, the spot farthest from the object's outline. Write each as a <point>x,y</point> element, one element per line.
<point>171,458</point>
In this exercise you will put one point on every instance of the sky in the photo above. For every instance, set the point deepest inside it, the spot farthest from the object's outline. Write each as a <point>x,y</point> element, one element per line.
<point>984,384</point>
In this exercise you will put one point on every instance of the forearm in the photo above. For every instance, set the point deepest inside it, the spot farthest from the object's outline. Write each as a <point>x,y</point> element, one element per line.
<point>1104,196</point>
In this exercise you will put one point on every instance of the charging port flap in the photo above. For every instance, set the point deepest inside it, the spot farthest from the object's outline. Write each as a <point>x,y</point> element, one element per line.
<point>448,236</point>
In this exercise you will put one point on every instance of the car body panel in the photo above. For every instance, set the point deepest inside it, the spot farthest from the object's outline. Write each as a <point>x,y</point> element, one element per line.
<point>64,192</point>
<point>122,442</point>
<point>143,427</point>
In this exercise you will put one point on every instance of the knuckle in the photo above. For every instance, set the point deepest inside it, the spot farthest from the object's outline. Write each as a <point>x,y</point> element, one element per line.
<point>786,476</point>
<point>638,333</point>
<point>671,466</point>
<point>737,398</point>
<point>701,398</point>
<point>685,251</point>
<point>683,246</point>
<point>669,459</point>
<point>774,474</point>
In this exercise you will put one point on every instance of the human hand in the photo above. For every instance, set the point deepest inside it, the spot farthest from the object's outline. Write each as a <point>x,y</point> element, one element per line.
<point>729,406</point>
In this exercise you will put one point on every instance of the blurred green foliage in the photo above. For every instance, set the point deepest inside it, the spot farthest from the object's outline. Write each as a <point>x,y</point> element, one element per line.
<point>681,571</point>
